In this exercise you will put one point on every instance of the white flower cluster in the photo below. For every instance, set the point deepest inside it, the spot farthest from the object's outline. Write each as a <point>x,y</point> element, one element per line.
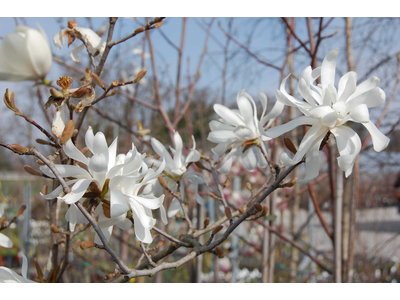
<point>120,181</point>
<point>326,109</point>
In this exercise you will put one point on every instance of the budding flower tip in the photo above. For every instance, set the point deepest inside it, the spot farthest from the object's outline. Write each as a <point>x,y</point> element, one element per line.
<point>21,210</point>
<point>220,252</point>
<point>217,229</point>
<point>85,245</point>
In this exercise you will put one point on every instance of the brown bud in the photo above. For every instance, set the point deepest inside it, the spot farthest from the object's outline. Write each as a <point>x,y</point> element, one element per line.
<point>162,182</point>
<point>9,100</point>
<point>160,243</point>
<point>228,213</point>
<point>54,228</point>
<point>139,30</point>
<point>226,183</point>
<point>289,184</point>
<point>158,24</point>
<point>72,106</point>
<point>40,162</point>
<point>21,210</point>
<point>140,75</point>
<point>242,211</point>
<point>2,221</point>
<point>42,142</point>
<point>115,82</point>
<point>19,148</point>
<point>113,92</point>
<point>258,206</point>
<point>75,132</point>
<point>248,186</point>
<point>67,132</point>
<point>265,211</point>
<point>217,229</point>
<point>289,145</point>
<point>30,170</point>
<point>55,93</point>
<point>44,190</point>
<point>206,222</point>
<point>85,245</point>
<point>97,80</point>
<point>220,252</point>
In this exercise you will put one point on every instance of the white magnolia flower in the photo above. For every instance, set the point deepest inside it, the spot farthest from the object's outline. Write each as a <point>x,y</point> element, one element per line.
<point>126,176</point>
<point>9,276</point>
<point>327,109</point>
<point>96,44</point>
<point>237,127</point>
<point>25,54</point>
<point>176,172</point>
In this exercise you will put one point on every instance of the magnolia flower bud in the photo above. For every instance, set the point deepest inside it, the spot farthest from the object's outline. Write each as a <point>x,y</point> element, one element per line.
<point>97,80</point>
<point>25,54</point>
<point>220,252</point>
<point>258,207</point>
<point>30,170</point>
<point>140,75</point>
<point>228,213</point>
<point>67,132</point>
<point>20,211</point>
<point>206,222</point>
<point>54,228</point>
<point>9,100</point>
<point>19,148</point>
<point>217,229</point>
<point>85,245</point>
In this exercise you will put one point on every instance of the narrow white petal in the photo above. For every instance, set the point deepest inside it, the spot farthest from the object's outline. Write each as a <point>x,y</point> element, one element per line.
<point>73,152</point>
<point>379,140</point>
<point>314,134</point>
<point>264,102</point>
<point>174,208</point>
<point>249,160</point>
<point>178,150</point>
<point>74,53</point>
<point>247,108</point>
<point>349,146</point>
<point>193,156</point>
<point>77,191</point>
<point>5,241</point>
<point>160,150</point>
<point>312,163</point>
<point>59,38</point>
<point>371,98</point>
<point>24,267</point>
<point>366,86</point>
<point>281,129</point>
<point>163,215</point>
<point>328,67</point>
<point>228,115</point>
<point>118,204</point>
<point>360,114</point>
<point>347,86</point>
<point>221,136</point>
<point>89,138</point>
<point>112,153</point>
<point>66,171</point>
